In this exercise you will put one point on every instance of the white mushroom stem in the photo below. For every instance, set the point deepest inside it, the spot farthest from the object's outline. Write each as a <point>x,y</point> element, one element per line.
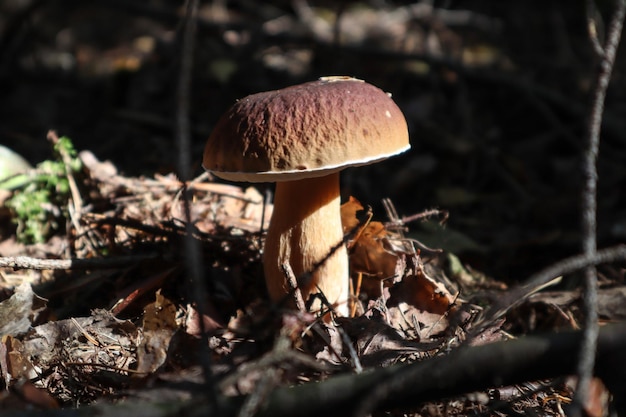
<point>305,227</point>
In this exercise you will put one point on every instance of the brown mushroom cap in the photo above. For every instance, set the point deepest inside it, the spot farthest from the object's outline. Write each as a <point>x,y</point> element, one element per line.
<point>304,131</point>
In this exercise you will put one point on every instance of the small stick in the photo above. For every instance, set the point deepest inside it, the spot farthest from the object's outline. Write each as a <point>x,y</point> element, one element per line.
<point>76,207</point>
<point>357,292</point>
<point>586,360</point>
<point>26,262</point>
<point>517,295</point>
<point>354,357</point>
<point>293,284</point>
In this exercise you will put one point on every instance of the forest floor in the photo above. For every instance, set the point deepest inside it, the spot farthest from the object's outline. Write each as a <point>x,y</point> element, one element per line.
<point>99,254</point>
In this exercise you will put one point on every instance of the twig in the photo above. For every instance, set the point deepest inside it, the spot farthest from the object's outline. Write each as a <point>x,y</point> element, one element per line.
<point>293,286</point>
<point>589,205</point>
<point>398,225</point>
<point>105,367</point>
<point>354,357</point>
<point>25,262</point>
<point>517,295</point>
<point>269,379</point>
<point>191,247</point>
<point>592,28</point>
<point>281,354</point>
<point>403,386</point>
<point>75,206</point>
<point>444,214</point>
<point>463,370</point>
<point>77,200</point>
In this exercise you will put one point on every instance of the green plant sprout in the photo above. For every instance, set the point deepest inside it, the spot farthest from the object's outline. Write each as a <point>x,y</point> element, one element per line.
<point>40,196</point>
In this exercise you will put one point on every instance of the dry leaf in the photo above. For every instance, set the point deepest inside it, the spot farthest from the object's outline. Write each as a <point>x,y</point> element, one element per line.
<point>4,366</point>
<point>422,293</point>
<point>377,256</point>
<point>349,219</point>
<point>210,320</point>
<point>77,352</point>
<point>369,255</point>
<point>597,404</point>
<point>370,251</point>
<point>159,325</point>
<point>101,171</point>
<point>37,396</point>
<point>419,303</point>
<point>16,312</point>
<point>18,366</point>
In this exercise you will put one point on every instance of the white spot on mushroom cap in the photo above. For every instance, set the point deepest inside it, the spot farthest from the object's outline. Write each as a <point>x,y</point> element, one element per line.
<point>387,113</point>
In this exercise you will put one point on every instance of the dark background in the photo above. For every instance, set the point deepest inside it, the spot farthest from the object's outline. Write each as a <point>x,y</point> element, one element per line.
<point>495,93</point>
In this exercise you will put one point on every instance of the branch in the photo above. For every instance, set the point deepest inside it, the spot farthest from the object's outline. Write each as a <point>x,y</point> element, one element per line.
<point>589,204</point>
<point>191,247</point>
<point>407,386</point>
<point>515,296</point>
<point>464,370</point>
<point>26,262</point>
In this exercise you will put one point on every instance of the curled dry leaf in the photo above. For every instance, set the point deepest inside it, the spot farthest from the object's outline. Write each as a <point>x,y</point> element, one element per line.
<point>349,219</point>
<point>611,301</point>
<point>371,254</point>
<point>376,254</point>
<point>422,292</point>
<point>418,304</point>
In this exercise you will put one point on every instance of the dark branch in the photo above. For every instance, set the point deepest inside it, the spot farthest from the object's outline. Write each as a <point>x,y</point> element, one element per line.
<point>589,204</point>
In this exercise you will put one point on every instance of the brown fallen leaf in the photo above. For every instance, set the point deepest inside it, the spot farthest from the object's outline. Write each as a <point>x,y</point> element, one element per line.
<point>370,256</point>
<point>209,324</point>
<point>349,219</point>
<point>18,365</point>
<point>36,396</point>
<point>380,258</point>
<point>422,292</point>
<point>159,325</point>
<point>16,312</point>
<point>45,343</point>
<point>419,304</point>
<point>138,288</point>
<point>373,262</point>
<point>597,404</point>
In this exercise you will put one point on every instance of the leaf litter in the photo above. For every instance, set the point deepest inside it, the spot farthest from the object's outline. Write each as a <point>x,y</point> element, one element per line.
<point>76,335</point>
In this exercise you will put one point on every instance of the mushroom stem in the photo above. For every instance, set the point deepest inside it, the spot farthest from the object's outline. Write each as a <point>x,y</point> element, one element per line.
<point>305,227</point>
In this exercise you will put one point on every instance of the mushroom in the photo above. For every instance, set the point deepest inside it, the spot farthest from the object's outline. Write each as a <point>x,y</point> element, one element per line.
<point>301,137</point>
